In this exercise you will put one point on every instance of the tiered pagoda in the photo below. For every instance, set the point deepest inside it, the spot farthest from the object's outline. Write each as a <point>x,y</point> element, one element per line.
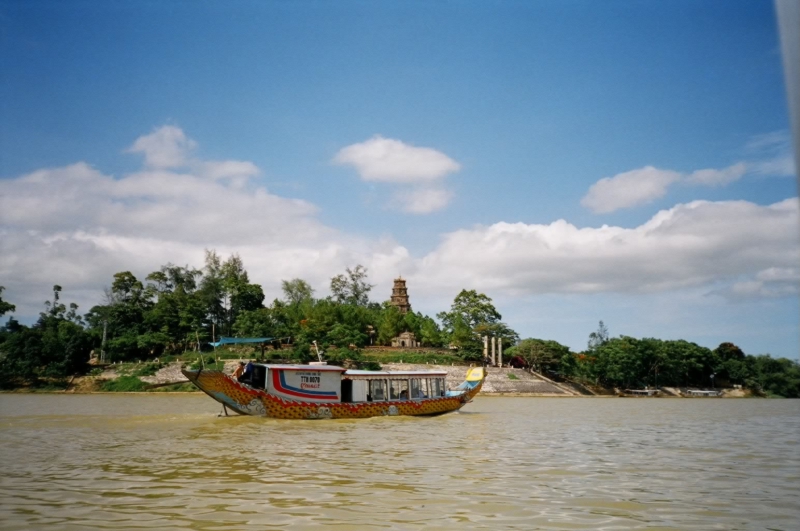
<point>400,296</point>
<point>400,301</point>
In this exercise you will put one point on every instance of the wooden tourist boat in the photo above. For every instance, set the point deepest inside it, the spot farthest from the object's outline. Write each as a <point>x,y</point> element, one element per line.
<point>319,391</point>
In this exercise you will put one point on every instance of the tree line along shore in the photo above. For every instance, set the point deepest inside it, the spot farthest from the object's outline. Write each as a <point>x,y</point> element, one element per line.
<point>175,312</point>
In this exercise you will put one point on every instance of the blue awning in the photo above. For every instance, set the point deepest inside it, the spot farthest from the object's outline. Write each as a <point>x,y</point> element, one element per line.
<point>235,340</point>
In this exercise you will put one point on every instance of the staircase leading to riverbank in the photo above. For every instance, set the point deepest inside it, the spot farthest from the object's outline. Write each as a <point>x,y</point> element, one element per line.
<point>505,380</point>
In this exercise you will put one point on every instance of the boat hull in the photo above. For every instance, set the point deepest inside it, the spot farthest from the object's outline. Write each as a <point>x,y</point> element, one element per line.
<point>246,400</point>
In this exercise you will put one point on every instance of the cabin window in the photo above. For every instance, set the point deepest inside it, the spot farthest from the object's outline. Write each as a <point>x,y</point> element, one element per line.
<point>377,390</point>
<point>418,388</point>
<point>360,390</point>
<point>437,387</point>
<point>398,389</point>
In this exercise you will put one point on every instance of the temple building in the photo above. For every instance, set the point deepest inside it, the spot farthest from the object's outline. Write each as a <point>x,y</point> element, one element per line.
<point>406,340</point>
<point>400,296</point>
<point>400,301</point>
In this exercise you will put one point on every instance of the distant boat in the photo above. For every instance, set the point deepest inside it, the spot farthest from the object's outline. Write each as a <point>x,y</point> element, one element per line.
<point>320,391</point>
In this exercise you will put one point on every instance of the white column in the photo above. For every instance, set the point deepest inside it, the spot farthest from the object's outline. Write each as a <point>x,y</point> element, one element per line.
<point>494,348</point>
<point>485,347</point>
<point>499,351</point>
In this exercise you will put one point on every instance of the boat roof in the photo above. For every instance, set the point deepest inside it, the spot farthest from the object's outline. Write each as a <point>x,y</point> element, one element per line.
<point>393,374</point>
<point>288,367</point>
<point>354,373</point>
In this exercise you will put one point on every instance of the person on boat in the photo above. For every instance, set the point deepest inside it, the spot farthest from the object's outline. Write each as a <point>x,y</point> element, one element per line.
<point>404,395</point>
<point>237,374</point>
<point>248,372</point>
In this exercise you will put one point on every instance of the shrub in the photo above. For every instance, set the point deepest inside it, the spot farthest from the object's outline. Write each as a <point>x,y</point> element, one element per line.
<point>124,384</point>
<point>146,369</point>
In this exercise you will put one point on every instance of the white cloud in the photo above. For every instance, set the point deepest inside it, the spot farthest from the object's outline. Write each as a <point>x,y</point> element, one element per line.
<point>387,160</point>
<point>77,226</point>
<point>416,173</point>
<point>769,155</point>
<point>226,169</point>
<point>421,200</point>
<point>690,245</point>
<point>772,282</point>
<point>779,166</point>
<point>629,189</point>
<point>165,147</point>
<point>772,155</point>
<point>714,177</point>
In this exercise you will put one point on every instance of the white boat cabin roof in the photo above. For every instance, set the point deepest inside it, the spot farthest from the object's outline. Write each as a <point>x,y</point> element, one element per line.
<point>358,374</point>
<point>365,375</point>
<point>287,367</point>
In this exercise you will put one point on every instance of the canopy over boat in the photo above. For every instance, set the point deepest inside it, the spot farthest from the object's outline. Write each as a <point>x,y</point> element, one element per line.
<point>237,340</point>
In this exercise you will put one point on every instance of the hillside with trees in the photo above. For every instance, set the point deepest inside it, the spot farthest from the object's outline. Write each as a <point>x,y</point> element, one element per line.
<point>627,362</point>
<point>180,309</point>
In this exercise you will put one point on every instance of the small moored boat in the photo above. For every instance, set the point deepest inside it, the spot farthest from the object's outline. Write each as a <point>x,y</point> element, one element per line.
<point>319,391</point>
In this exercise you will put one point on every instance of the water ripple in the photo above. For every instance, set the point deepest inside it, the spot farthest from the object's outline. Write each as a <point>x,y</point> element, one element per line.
<point>158,462</point>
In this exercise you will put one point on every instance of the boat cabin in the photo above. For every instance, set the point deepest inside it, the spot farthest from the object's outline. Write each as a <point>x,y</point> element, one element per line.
<point>376,386</point>
<point>329,383</point>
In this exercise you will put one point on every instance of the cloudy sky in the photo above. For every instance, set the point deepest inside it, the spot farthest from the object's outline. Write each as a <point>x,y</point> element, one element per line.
<point>574,160</point>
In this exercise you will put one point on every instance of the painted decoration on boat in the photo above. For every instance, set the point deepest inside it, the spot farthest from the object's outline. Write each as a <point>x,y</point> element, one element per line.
<point>306,385</point>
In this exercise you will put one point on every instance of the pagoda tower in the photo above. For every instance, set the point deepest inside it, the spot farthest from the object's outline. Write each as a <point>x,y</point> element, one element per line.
<point>400,296</point>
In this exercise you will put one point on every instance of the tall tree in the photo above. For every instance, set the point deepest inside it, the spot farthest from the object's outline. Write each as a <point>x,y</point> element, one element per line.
<point>5,307</point>
<point>472,308</point>
<point>352,287</point>
<point>598,337</point>
<point>55,347</point>
<point>471,314</point>
<point>296,291</point>
<point>227,291</point>
<point>540,354</point>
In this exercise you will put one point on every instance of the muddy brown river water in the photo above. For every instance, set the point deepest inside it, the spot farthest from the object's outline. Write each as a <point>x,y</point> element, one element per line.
<point>76,462</point>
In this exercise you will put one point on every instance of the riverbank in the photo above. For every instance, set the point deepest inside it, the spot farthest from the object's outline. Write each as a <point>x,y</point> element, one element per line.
<point>505,381</point>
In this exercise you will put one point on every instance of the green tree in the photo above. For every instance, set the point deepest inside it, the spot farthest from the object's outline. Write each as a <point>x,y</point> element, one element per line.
<point>343,336</point>
<point>123,316</point>
<point>225,290</point>
<point>540,354</point>
<point>5,307</point>
<point>472,308</point>
<point>258,323</point>
<point>430,333</point>
<point>617,362</point>
<point>775,376</point>
<point>471,314</point>
<point>687,363</point>
<point>391,324</point>
<point>296,291</point>
<point>352,287</point>
<point>598,337</point>
<point>55,347</point>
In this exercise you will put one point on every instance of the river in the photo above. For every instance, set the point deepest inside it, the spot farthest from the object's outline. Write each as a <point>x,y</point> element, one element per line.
<point>162,461</point>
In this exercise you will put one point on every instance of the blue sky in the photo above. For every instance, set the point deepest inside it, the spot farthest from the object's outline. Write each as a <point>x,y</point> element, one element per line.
<point>575,161</point>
